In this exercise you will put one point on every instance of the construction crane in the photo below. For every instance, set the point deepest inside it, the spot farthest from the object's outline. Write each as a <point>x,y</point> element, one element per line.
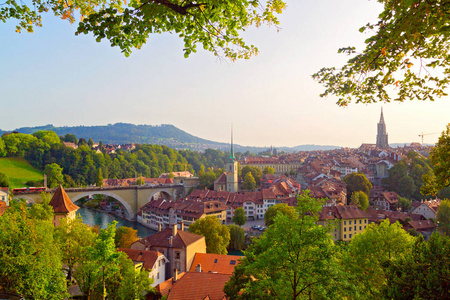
<point>423,134</point>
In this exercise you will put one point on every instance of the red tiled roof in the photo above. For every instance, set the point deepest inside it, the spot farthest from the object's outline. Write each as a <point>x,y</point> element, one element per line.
<point>161,239</point>
<point>61,203</point>
<point>147,257</point>
<point>199,286</point>
<point>215,263</point>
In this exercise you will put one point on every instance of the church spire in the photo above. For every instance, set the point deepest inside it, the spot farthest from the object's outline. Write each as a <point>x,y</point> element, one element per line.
<point>381,116</point>
<point>232,158</point>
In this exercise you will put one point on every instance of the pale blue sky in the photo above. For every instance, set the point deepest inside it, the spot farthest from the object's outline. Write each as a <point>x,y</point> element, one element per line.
<point>55,77</point>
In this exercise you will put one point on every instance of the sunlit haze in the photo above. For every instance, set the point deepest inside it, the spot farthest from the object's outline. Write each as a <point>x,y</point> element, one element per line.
<point>54,77</point>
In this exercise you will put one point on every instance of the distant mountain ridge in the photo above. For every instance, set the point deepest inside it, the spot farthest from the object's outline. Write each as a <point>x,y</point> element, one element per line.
<point>165,134</point>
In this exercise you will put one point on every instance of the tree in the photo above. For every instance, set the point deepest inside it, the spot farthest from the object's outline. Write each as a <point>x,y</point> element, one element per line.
<point>90,143</point>
<point>281,208</point>
<point>214,25</point>
<point>443,217</point>
<point>73,238</point>
<point>404,203</point>
<point>4,180</point>
<point>256,173</point>
<point>249,182</point>
<point>410,42</point>
<point>370,252</point>
<point>54,175</point>
<point>99,180</point>
<point>125,236</point>
<point>357,182</point>
<point>217,236</point>
<point>237,238</point>
<point>30,260</point>
<point>70,138</point>
<point>268,170</point>
<point>361,199</point>
<point>239,217</point>
<point>439,158</point>
<point>293,259</point>
<point>47,136</point>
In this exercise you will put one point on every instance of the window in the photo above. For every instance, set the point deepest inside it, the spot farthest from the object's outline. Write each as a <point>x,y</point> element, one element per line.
<point>215,261</point>
<point>345,236</point>
<point>350,236</point>
<point>360,227</point>
<point>157,276</point>
<point>345,222</point>
<point>232,262</point>
<point>359,221</point>
<point>177,255</point>
<point>365,221</point>
<point>350,229</point>
<point>349,222</point>
<point>355,228</point>
<point>345,228</point>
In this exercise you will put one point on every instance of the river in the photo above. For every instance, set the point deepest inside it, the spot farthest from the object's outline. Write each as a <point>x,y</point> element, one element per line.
<point>94,217</point>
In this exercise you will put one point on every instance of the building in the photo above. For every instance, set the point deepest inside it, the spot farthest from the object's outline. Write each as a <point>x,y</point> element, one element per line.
<point>4,195</point>
<point>384,200</point>
<point>178,246</point>
<point>62,206</point>
<point>349,221</point>
<point>214,263</point>
<point>152,261</point>
<point>428,209</point>
<point>163,213</point>
<point>382,136</point>
<point>280,165</point>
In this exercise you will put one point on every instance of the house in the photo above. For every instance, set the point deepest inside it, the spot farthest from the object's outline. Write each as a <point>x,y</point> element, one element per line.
<point>4,195</point>
<point>152,261</point>
<point>385,200</point>
<point>164,213</point>
<point>178,246</point>
<point>62,206</point>
<point>350,220</point>
<point>424,227</point>
<point>195,286</point>
<point>214,263</point>
<point>428,209</point>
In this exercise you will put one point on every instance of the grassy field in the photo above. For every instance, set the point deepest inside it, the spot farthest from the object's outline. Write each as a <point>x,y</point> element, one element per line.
<point>19,171</point>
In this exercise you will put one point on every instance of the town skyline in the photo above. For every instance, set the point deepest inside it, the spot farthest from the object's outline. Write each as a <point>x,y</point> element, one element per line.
<point>271,99</point>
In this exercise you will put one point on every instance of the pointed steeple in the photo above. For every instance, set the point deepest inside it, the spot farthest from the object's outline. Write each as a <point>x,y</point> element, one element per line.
<point>232,158</point>
<point>61,202</point>
<point>381,116</point>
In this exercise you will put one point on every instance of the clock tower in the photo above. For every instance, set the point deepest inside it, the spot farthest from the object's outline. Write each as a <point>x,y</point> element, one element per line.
<point>231,169</point>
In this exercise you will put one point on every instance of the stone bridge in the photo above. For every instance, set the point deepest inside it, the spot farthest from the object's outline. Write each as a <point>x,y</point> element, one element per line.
<point>132,198</point>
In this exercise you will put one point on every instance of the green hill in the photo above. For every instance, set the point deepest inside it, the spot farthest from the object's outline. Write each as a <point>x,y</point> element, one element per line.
<point>19,171</point>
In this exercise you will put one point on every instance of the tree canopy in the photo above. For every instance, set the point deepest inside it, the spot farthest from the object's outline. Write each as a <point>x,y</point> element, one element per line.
<point>443,217</point>
<point>407,55</point>
<point>281,208</point>
<point>357,182</point>
<point>239,217</point>
<point>361,199</point>
<point>217,236</point>
<point>215,25</point>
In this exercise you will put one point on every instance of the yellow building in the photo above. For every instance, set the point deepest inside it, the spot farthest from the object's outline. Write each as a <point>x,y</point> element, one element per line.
<point>348,220</point>
<point>281,166</point>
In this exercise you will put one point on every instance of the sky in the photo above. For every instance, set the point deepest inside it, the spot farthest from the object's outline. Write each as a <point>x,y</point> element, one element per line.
<point>53,77</point>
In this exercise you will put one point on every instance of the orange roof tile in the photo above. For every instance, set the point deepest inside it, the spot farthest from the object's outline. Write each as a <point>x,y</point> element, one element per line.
<point>199,286</point>
<point>61,202</point>
<point>215,263</point>
<point>147,257</point>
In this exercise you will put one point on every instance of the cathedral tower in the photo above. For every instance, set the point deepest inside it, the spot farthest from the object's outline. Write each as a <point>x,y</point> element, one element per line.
<point>382,136</point>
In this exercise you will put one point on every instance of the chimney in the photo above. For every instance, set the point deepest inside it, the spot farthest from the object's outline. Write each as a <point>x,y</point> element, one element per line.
<point>175,275</point>
<point>174,230</point>
<point>182,226</point>
<point>198,268</point>
<point>170,241</point>
<point>159,227</point>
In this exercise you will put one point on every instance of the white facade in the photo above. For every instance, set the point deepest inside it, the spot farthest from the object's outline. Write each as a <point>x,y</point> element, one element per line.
<point>158,272</point>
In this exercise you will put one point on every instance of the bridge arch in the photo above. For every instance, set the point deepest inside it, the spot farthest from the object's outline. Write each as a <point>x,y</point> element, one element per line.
<point>125,204</point>
<point>166,195</point>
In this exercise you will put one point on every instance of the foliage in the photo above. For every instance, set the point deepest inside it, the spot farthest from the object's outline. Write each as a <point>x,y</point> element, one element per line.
<point>207,179</point>
<point>361,199</point>
<point>407,54</point>
<point>294,259</point>
<point>268,170</point>
<point>256,174</point>
<point>47,136</point>
<point>369,253</point>
<point>423,274</point>
<point>70,138</point>
<point>73,238</point>
<point>239,217</point>
<point>443,217</point>
<point>249,182</point>
<point>30,261</point>
<point>404,203</point>
<point>4,180</point>
<point>125,236</point>
<point>217,236</point>
<point>405,177</point>
<point>54,175</point>
<point>281,208</point>
<point>237,238</point>
<point>357,182</point>
<point>99,181</point>
<point>440,160</point>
